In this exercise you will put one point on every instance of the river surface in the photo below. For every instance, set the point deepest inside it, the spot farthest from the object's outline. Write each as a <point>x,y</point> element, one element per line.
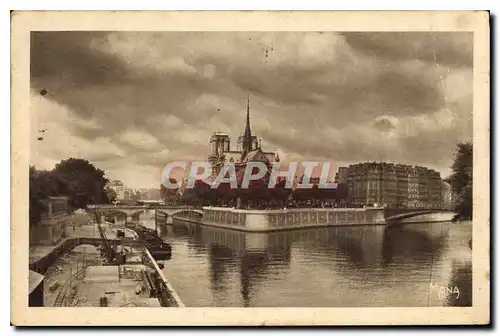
<point>415,265</point>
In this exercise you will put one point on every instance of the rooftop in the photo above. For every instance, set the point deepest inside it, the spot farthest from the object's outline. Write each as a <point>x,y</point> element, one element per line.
<point>220,133</point>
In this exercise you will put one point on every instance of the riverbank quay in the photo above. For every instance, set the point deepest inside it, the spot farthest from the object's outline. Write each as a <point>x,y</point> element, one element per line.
<point>40,251</point>
<point>75,274</point>
<point>288,219</point>
<point>66,271</point>
<point>81,278</point>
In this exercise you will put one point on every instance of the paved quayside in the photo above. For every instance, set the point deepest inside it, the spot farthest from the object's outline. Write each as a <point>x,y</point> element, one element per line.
<point>78,272</point>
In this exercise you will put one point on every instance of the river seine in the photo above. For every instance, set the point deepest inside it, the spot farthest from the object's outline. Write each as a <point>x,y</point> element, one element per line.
<point>416,265</point>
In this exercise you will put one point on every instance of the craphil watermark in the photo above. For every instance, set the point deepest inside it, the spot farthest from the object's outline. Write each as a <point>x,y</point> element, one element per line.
<point>252,171</point>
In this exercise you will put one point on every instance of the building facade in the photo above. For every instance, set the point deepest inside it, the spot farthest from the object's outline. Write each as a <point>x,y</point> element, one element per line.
<point>119,189</point>
<point>447,196</point>
<point>53,222</point>
<point>394,185</point>
<point>127,194</point>
<point>413,185</point>
<point>342,175</point>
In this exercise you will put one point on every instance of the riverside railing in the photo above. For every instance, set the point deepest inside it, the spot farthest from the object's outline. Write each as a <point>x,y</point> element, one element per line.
<point>166,293</point>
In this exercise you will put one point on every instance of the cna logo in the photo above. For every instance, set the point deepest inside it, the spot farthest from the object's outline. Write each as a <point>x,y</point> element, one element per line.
<point>241,176</point>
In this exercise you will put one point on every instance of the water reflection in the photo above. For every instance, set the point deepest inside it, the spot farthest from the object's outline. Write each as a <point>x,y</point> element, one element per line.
<point>250,253</point>
<point>413,243</point>
<point>220,259</point>
<point>461,281</point>
<point>340,266</point>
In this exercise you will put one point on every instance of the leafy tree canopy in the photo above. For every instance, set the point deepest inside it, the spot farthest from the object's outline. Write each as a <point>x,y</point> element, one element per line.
<point>461,180</point>
<point>77,179</point>
<point>82,182</point>
<point>110,195</point>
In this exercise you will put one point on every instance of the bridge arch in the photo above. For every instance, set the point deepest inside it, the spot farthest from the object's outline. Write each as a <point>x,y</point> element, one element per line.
<point>175,212</point>
<point>166,213</point>
<point>135,213</point>
<point>179,211</point>
<point>115,212</point>
<point>437,215</point>
<point>189,214</point>
<point>112,211</point>
<point>133,210</point>
<point>409,215</point>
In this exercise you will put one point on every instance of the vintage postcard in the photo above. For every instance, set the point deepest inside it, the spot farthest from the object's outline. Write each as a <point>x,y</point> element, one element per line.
<point>250,168</point>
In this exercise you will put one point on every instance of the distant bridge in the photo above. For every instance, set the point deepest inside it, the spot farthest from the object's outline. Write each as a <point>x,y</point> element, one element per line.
<point>131,211</point>
<point>397,215</point>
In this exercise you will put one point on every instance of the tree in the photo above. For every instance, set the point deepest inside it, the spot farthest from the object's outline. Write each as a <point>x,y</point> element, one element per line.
<point>461,181</point>
<point>77,179</point>
<point>196,195</point>
<point>83,183</point>
<point>280,193</point>
<point>170,195</point>
<point>110,195</point>
<point>43,184</point>
<point>341,192</point>
<point>38,192</point>
<point>135,197</point>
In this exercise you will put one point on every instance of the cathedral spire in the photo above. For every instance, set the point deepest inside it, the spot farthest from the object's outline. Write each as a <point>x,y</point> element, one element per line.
<point>247,137</point>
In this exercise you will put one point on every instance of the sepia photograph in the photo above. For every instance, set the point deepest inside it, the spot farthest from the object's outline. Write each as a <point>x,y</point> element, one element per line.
<point>253,168</point>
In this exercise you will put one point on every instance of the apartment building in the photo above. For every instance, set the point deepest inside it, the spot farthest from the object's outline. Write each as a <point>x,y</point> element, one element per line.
<point>394,185</point>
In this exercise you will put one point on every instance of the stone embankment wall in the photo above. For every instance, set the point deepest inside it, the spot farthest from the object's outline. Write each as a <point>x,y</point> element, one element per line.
<point>276,220</point>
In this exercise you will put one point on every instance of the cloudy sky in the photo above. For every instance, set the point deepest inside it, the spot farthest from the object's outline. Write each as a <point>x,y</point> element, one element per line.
<point>130,102</point>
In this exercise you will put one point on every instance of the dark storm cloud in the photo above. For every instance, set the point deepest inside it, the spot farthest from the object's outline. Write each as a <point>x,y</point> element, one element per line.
<point>158,96</point>
<point>68,56</point>
<point>406,92</point>
<point>454,49</point>
<point>432,148</point>
<point>343,91</point>
<point>281,84</point>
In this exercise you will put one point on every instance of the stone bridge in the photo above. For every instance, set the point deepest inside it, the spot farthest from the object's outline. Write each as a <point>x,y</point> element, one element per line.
<point>396,215</point>
<point>131,211</point>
